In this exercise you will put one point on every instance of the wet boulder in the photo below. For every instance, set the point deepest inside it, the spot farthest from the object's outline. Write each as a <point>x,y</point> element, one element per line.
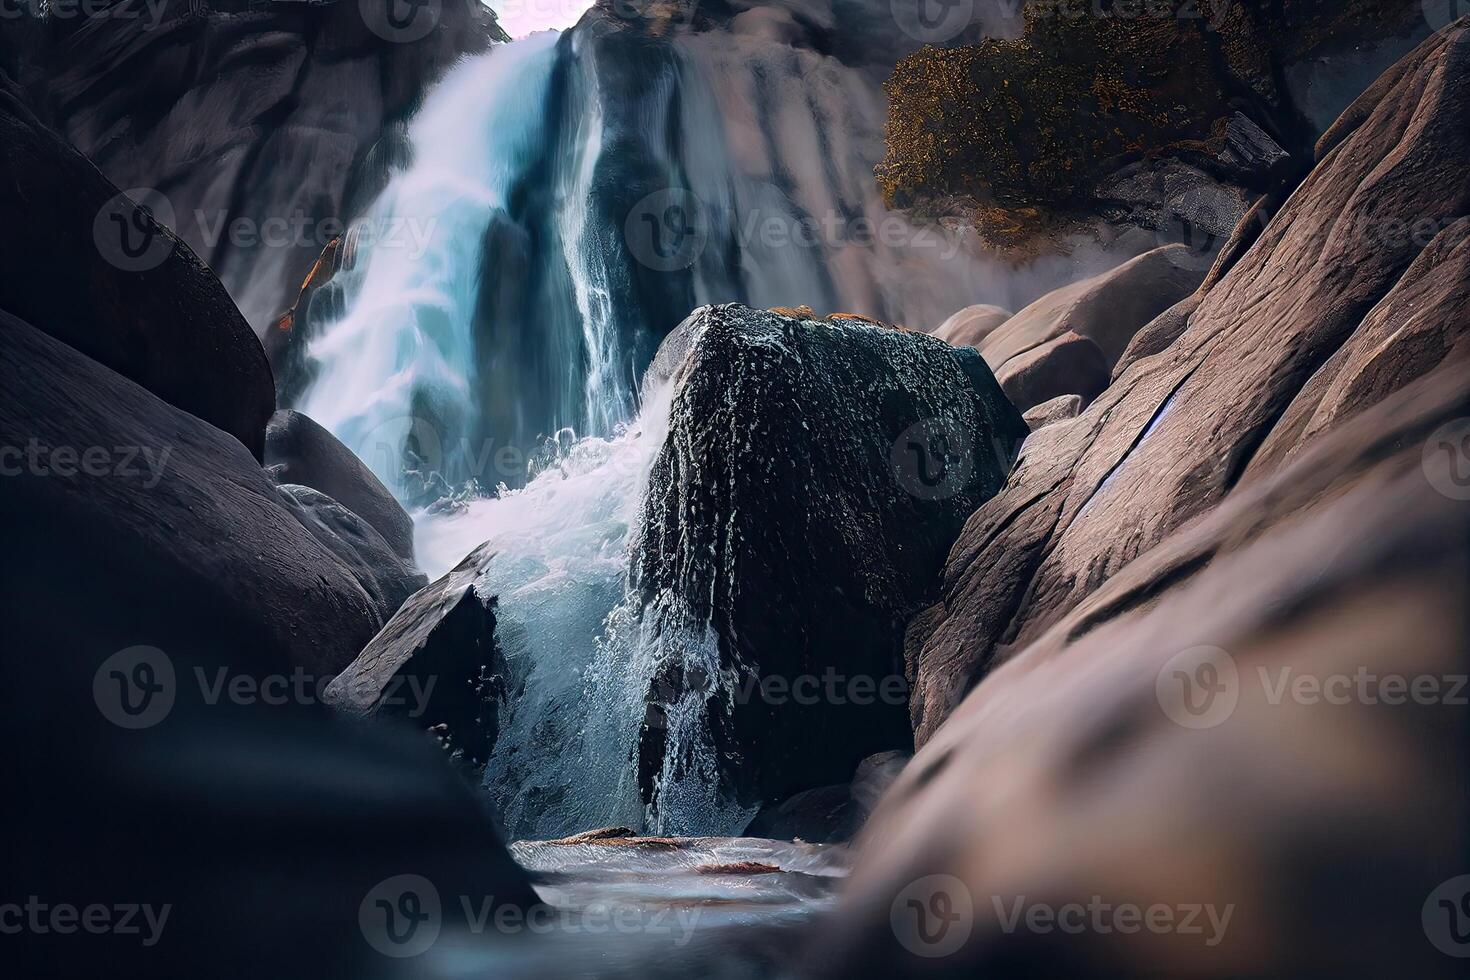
<point>813,478</point>
<point>436,665</point>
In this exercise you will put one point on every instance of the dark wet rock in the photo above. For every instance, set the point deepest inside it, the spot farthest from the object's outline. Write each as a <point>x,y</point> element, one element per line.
<point>1064,365</point>
<point>386,578</point>
<point>970,326</point>
<point>810,485</point>
<point>830,814</point>
<point>436,665</point>
<point>241,111</point>
<point>298,450</point>
<point>1333,306</point>
<point>1078,771</point>
<point>92,268</point>
<point>1058,409</point>
<point>142,524</point>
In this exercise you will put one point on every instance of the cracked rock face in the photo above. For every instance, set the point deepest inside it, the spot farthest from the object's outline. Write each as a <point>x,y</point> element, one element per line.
<point>813,478</point>
<point>1336,304</point>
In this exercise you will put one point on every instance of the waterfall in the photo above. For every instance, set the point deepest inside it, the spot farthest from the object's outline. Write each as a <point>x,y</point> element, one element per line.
<point>583,193</point>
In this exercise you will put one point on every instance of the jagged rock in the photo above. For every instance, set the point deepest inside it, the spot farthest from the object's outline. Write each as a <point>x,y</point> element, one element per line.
<point>386,578</point>
<point>1323,315</point>
<point>142,524</point>
<point>1107,309</point>
<point>298,450</point>
<point>254,112</point>
<point>810,485</point>
<point>436,664</point>
<point>1059,409</point>
<point>87,265</point>
<point>1065,365</point>
<point>1079,773</point>
<point>970,326</point>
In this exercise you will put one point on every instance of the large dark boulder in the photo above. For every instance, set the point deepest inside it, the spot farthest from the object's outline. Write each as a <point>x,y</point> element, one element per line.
<point>298,450</point>
<point>436,665</point>
<point>92,267</point>
<point>129,521</point>
<point>1354,288</point>
<point>386,578</point>
<point>813,478</point>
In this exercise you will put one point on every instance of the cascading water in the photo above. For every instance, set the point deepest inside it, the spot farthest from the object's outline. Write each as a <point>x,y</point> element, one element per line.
<point>586,193</point>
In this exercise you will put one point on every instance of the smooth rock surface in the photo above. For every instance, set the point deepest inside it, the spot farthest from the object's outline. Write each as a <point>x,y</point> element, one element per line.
<point>970,326</point>
<point>1066,365</point>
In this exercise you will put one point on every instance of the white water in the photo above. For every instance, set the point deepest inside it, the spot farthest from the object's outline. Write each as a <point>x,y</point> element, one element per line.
<point>406,362</point>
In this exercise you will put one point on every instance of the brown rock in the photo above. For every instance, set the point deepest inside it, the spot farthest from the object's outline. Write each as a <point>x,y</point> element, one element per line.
<point>1058,409</point>
<point>970,326</point>
<point>1178,430</point>
<point>1320,825</point>
<point>1065,365</point>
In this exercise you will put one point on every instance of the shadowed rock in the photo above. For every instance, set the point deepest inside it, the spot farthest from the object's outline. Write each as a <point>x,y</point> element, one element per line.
<point>435,664</point>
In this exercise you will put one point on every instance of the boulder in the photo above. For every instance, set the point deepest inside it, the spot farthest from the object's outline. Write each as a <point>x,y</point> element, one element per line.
<point>386,578</point>
<point>830,814</point>
<point>1148,750</point>
<point>130,521</point>
<point>1058,409</point>
<point>436,664</point>
<point>1065,365</point>
<point>1335,304</point>
<point>298,450</point>
<point>1107,309</point>
<point>91,266</point>
<point>810,485</point>
<point>970,326</point>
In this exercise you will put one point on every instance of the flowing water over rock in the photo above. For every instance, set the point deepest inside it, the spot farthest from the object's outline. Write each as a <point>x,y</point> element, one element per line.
<point>581,195</point>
